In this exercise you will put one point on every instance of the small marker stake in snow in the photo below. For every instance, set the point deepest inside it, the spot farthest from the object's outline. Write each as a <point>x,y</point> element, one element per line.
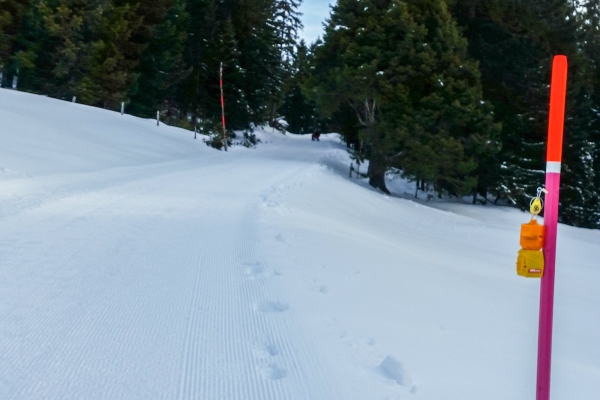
<point>157,118</point>
<point>222,106</point>
<point>122,107</point>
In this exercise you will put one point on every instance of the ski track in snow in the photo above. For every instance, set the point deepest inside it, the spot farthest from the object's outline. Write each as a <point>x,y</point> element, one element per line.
<point>247,351</point>
<point>128,310</point>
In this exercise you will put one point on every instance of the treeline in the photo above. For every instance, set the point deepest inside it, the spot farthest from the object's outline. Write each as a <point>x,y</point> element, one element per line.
<point>154,55</point>
<point>454,95</point>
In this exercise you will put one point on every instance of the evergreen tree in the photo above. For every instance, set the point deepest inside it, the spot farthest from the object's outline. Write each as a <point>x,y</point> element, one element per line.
<point>11,14</point>
<point>80,48</point>
<point>580,194</point>
<point>225,50</point>
<point>115,56</point>
<point>286,24</point>
<point>260,57</point>
<point>55,45</point>
<point>97,50</point>
<point>162,66</point>
<point>514,43</point>
<point>592,50</point>
<point>298,111</point>
<point>402,68</point>
<point>513,80</point>
<point>192,97</point>
<point>212,41</point>
<point>346,72</point>
<point>250,39</point>
<point>449,117</point>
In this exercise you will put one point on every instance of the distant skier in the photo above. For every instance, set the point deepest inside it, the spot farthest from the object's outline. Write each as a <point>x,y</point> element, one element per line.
<point>315,135</point>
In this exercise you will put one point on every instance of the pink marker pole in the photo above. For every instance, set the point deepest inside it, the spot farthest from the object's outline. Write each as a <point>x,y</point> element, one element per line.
<point>558,94</point>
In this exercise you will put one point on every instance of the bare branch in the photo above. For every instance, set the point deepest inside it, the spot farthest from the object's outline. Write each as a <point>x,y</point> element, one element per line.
<point>360,120</point>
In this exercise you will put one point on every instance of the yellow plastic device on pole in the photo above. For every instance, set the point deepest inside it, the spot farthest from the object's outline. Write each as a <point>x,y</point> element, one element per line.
<point>530,260</point>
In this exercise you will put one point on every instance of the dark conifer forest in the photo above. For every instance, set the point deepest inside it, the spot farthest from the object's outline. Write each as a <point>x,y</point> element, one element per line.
<point>451,94</point>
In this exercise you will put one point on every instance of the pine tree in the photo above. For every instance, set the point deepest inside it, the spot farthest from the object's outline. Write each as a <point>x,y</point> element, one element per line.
<point>115,56</point>
<point>81,48</point>
<point>580,192</point>
<point>592,34</point>
<point>55,44</point>
<point>449,115</point>
<point>402,68</point>
<point>298,111</point>
<point>11,14</point>
<point>286,24</point>
<point>261,49</point>
<point>250,39</point>
<point>514,43</point>
<point>191,96</point>
<point>510,59</point>
<point>161,66</point>
<point>347,71</point>
<point>579,199</point>
<point>225,50</point>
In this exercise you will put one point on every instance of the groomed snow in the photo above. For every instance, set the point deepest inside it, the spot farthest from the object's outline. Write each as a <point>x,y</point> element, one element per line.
<point>137,263</point>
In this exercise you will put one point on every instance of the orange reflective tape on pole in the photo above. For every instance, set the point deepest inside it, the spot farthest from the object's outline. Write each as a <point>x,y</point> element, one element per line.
<point>558,94</point>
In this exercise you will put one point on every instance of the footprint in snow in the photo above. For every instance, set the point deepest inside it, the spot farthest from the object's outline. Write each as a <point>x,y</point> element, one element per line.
<point>280,238</point>
<point>265,350</point>
<point>271,306</point>
<point>273,372</point>
<point>265,353</point>
<point>255,271</point>
<point>393,369</point>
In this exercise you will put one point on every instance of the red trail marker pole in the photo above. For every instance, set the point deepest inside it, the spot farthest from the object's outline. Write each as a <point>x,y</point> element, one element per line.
<point>558,94</point>
<point>222,106</point>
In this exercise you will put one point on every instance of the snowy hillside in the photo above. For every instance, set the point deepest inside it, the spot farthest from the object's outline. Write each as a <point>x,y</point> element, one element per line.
<point>137,263</point>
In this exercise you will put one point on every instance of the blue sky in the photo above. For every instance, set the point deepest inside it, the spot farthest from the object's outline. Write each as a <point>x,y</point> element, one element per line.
<point>314,13</point>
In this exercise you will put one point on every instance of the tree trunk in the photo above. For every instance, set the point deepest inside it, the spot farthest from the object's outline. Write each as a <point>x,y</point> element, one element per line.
<point>377,164</point>
<point>377,173</point>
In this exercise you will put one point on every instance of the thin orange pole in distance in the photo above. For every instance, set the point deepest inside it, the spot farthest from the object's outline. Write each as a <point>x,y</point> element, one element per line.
<point>222,106</point>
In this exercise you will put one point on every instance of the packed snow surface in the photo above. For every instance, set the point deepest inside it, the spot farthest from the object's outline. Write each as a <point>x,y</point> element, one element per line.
<point>138,263</point>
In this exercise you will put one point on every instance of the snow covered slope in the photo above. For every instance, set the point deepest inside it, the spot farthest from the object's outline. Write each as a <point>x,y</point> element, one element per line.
<point>137,263</point>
